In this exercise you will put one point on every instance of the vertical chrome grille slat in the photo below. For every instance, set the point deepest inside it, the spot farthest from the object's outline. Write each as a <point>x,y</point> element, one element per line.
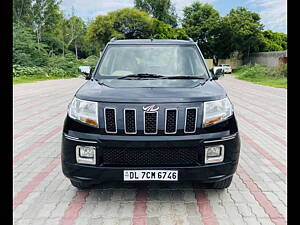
<point>150,122</point>
<point>171,117</point>
<point>190,120</point>
<point>130,121</point>
<point>110,119</point>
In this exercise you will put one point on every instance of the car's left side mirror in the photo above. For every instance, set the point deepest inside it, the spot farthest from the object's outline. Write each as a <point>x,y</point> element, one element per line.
<point>217,73</point>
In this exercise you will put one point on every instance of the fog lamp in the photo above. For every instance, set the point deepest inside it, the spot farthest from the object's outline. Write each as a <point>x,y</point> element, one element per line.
<point>214,154</point>
<point>86,154</point>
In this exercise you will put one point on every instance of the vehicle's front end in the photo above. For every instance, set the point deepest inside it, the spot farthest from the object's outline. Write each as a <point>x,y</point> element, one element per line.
<point>227,68</point>
<point>131,130</point>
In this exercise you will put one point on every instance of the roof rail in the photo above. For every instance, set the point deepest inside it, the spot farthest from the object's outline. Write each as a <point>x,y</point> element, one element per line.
<point>190,39</point>
<point>113,39</point>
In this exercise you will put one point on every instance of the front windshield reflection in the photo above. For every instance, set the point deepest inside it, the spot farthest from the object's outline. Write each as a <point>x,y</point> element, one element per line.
<point>165,60</point>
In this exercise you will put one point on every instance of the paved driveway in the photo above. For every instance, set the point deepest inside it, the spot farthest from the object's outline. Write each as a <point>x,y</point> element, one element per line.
<point>42,195</point>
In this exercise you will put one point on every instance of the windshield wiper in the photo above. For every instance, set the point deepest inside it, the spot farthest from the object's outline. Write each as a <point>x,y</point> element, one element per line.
<point>142,75</point>
<point>100,82</point>
<point>184,77</point>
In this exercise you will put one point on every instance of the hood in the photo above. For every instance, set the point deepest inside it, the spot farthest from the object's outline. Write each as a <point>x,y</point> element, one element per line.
<point>151,91</point>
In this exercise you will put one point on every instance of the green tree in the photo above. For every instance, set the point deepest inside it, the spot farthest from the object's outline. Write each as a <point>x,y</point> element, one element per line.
<point>219,37</point>
<point>273,41</point>
<point>202,23</point>
<point>45,16</point>
<point>243,31</point>
<point>22,11</point>
<point>132,23</point>
<point>75,29</point>
<point>100,31</point>
<point>53,45</point>
<point>162,30</point>
<point>61,33</point>
<point>26,51</point>
<point>128,23</point>
<point>162,10</point>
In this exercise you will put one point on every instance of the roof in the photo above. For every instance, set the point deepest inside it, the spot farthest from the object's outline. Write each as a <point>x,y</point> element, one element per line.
<point>151,41</point>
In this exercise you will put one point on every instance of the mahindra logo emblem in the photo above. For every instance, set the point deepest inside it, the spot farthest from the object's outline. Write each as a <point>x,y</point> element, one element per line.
<point>150,108</point>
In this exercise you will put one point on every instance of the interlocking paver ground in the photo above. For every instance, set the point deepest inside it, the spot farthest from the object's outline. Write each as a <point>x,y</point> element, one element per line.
<point>42,195</point>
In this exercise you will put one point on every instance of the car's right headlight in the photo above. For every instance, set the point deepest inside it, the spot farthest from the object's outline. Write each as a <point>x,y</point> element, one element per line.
<point>84,111</point>
<point>216,111</point>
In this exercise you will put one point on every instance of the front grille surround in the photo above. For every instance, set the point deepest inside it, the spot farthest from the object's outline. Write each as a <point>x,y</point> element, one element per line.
<point>114,129</point>
<point>186,130</point>
<point>126,120</point>
<point>146,121</point>
<point>130,119</point>
<point>166,120</point>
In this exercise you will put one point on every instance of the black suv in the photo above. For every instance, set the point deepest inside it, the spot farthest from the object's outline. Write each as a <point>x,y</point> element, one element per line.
<point>150,111</point>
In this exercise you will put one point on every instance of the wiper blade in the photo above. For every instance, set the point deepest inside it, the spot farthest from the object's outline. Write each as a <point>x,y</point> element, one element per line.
<point>184,77</point>
<point>100,82</point>
<point>142,75</point>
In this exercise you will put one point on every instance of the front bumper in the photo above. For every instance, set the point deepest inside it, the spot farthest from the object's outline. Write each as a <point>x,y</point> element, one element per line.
<point>94,175</point>
<point>101,173</point>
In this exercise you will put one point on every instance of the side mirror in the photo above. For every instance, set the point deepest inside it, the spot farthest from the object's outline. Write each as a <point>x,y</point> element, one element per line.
<point>87,71</point>
<point>217,73</point>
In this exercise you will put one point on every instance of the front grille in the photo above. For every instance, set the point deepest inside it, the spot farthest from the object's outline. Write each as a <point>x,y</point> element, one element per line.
<point>150,122</point>
<point>171,121</point>
<point>130,121</point>
<point>190,121</point>
<point>134,120</point>
<point>110,120</point>
<point>150,156</point>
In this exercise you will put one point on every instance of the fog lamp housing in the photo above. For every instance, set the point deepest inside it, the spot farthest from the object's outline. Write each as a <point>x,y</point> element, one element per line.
<point>214,154</point>
<point>86,154</point>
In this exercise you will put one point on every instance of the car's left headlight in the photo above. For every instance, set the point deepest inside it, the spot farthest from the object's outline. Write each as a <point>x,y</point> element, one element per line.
<point>216,111</point>
<point>84,111</point>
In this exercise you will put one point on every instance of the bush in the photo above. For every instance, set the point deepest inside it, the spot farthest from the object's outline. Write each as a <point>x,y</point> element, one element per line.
<point>258,71</point>
<point>57,66</point>
<point>255,71</point>
<point>90,61</point>
<point>261,74</point>
<point>280,71</point>
<point>19,70</point>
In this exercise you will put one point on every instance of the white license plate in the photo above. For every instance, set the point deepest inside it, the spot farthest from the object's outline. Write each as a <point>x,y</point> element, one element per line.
<point>160,175</point>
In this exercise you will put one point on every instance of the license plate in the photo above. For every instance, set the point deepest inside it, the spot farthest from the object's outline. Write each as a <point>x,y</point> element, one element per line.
<point>148,175</point>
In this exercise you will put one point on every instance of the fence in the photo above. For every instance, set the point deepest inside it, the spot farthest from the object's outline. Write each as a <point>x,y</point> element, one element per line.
<point>234,63</point>
<point>209,63</point>
<point>271,59</point>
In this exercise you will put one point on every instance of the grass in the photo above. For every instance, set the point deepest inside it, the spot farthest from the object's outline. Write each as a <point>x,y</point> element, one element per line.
<point>30,79</point>
<point>260,74</point>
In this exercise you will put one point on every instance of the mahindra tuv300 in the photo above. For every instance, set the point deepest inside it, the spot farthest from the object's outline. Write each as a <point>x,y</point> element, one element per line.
<point>150,111</point>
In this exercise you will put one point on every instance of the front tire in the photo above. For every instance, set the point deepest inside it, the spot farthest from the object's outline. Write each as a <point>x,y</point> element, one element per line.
<point>81,185</point>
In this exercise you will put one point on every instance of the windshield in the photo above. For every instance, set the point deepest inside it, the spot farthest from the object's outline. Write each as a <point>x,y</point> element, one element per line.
<point>165,60</point>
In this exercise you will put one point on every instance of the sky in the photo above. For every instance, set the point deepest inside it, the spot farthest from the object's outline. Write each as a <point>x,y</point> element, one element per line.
<point>273,12</point>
